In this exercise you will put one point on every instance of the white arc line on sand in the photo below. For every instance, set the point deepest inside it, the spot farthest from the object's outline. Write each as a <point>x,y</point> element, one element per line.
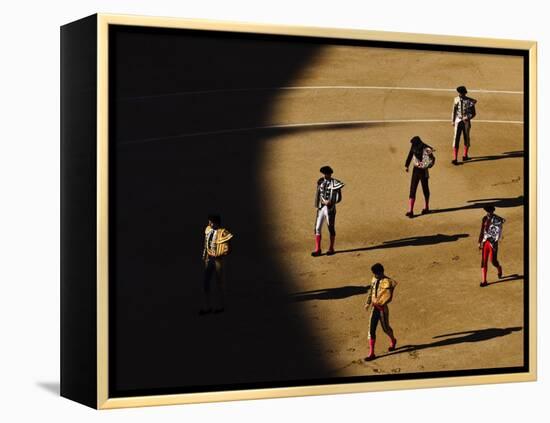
<point>312,124</point>
<point>327,87</point>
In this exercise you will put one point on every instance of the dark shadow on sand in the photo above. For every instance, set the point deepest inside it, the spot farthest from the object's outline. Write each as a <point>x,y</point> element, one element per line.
<point>508,278</point>
<point>468,336</point>
<point>479,204</point>
<point>338,293</point>
<point>161,193</point>
<point>505,155</point>
<point>333,126</point>
<point>414,241</point>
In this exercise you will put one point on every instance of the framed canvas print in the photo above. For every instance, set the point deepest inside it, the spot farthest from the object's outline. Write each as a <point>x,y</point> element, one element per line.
<point>253,211</point>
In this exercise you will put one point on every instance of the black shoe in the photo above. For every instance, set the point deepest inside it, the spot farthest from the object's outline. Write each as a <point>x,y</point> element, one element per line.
<point>370,357</point>
<point>483,284</point>
<point>219,310</point>
<point>202,312</point>
<point>330,252</point>
<point>455,162</point>
<point>316,253</point>
<point>410,215</point>
<point>465,158</point>
<point>393,347</point>
<point>425,211</point>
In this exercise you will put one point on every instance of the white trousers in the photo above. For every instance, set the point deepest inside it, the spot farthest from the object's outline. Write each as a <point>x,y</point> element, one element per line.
<point>324,214</point>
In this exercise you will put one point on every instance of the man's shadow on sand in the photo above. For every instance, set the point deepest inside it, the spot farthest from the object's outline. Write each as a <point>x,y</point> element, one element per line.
<point>342,292</point>
<point>508,278</point>
<point>337,293</point>
<point>468,336</point>
<point>479,204</point>
<point>505,155</point>
<point>413,241</point>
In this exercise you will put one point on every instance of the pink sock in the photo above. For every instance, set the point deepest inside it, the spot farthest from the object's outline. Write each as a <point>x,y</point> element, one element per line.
<point>332,239</point>
<point>465,151</point>
<point>317,242</point>
<point>484,274</point>
<point>427,204</point>
<point>411,204</point>
<point>455,153</point>
<point>371,347</point>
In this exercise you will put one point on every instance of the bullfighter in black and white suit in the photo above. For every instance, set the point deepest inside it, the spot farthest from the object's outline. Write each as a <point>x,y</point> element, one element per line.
<point>328,193</point>
<point>464,110</point>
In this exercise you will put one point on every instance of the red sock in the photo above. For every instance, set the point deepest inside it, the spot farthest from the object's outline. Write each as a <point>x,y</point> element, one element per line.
<point>484,274</point>
<point>455,153</point>
<point>411,204</point>
<point>317,242</point>
<point>393,341</point>
<point>371,347</point>
<point>465,151</point>
<point>427,204</point>
<point>332,239</point>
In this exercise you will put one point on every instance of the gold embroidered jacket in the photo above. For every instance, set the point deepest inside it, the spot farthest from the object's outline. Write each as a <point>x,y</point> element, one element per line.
<point>381,291</point>
<point>219,246</point>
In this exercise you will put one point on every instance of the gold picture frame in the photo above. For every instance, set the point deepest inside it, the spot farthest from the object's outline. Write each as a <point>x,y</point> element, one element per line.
<point>99,361</point>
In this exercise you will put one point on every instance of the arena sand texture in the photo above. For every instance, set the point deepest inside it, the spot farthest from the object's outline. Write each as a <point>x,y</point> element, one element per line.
<point>340,113</point>
<point>442,319</point>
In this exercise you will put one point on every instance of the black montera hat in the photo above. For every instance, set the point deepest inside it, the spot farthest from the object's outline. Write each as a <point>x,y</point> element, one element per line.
<point>377,268</point>
<point>489,209</point>
<point>462,90</point>
<point>416,139</point>
<point>326,169</point>
<point>215,218</point>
